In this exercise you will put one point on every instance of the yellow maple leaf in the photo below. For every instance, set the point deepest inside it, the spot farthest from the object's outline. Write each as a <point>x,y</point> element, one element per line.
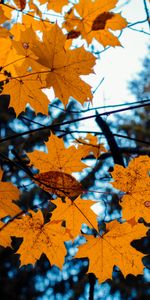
<point>8,193</point>
<point>90,144</point>
<point>64,67</point>
<point>57,67</point>
<point>59,183</point>
<point>5,238</point>
<point>39,238</point>
<point>113,248</point>
<point>5,48</point>
<point>55,5</point>
<point>94,21</point>
<point>58,158</point>
<point>75,213</point>
<point>135,182</point>
<point>3,17</point>
<point>5,13</point>
<point>17,51</point>
<point>23,90</point>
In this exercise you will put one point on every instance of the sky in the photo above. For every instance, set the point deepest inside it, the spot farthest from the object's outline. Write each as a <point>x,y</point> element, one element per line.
<point>119,65</point>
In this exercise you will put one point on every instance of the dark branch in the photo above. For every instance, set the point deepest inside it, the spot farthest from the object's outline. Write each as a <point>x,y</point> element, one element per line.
<point>114,148</point>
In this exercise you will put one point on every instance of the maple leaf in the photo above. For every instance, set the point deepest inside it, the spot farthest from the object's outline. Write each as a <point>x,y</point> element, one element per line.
<point>59,183</point>
<point>5,13</point>
<point>23,90</point>
<point>58,68</point>
<point>135,182</point>
<point>94,21</point>
<point>8,193</point>
<point>55,5</point>
<point>75,213</point>
<point>39,238</point>
<point>64,67</point>
<point>58,158</point>
<point>89,145</point>
<point>5,239</point>
<point>17,51</point>
<point>3,17</point>
<point>20,4</point>
<point>113,248</point>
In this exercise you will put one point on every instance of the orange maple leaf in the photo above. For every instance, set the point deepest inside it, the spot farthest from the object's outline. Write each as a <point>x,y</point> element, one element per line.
<point>94,21</point>
<point>113,248</point>
<point>26,90</point>
<point>55,5</point>
<point>64,67</point>
<point>8,193</point>
<point>135,182</point>
<point>3,17</point>
<point>75,213</point>
<point>58,158</point>
<point>57,67</point>
<point>90,144</point>
<point>5,238</point>
<point>39,238</point>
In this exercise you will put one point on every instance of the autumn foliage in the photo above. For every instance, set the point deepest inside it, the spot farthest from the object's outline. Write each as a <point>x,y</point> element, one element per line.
<point>37,54</point>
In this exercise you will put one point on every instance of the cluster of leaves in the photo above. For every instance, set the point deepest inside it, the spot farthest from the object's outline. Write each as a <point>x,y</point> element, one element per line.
<point>37,54</point>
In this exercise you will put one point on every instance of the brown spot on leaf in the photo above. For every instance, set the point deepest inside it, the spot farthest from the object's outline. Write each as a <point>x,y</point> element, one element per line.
<point>147,204</point>
<point>73,34</point>
<point>100,21</point>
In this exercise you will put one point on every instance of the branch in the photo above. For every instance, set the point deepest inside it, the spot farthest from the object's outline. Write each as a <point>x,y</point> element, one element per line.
<point>123,150</point>
<point>55,126</point>
<point>114,148</point>
<point>147,12</point>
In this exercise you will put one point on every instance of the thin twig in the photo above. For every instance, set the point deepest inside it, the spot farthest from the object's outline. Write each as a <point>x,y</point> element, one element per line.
<point>57,125</point>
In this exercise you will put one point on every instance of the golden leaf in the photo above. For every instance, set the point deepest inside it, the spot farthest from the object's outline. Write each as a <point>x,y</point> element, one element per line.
<point>75,213</point>
<point>64,67</point>
<point>114,248</point>
<point>8,193</point>
<point>5,239</point>
<point>26,90</point>
<point>95,20</point>
<point>58,158</point>
<point>40,238</point>
<point>90,144</point>
<point>55,5</point>
<point>135,182</point>
<point>3,17</point>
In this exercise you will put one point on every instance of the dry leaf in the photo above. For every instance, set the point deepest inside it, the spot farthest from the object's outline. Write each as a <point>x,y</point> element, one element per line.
<point>59,183</point>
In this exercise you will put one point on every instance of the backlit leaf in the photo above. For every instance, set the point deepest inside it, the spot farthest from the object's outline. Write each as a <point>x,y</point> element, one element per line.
<point>75,213</point>
<point>113,248</point>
